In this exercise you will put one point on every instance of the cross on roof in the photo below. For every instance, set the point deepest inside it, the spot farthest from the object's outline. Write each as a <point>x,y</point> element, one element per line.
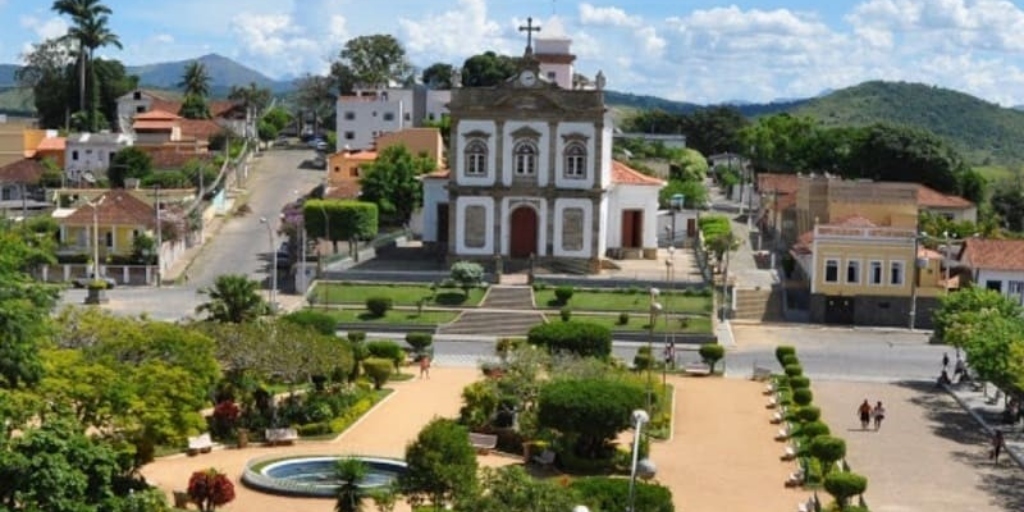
<point>529,28</point>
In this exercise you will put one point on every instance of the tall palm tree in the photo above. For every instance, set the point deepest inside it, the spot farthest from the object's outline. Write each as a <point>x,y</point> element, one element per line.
<point>350,472</point>
<point>81,11</point>
<point>234,298</point>
<point>94,33</point>
<point>196,83</point>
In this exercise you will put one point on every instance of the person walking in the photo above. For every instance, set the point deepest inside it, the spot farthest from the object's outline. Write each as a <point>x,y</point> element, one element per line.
<point>945,360</point>
<point>878,413</point>
<point>425,366</point>
<point>997,446</point>
<point>864,411</point>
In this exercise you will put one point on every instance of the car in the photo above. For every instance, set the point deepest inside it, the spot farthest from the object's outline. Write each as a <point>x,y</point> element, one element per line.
<point>316,142</point>
<point>83,282</point>
<point>321,146</point>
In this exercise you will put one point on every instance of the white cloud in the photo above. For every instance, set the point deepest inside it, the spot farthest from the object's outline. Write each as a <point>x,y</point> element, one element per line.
<point>163,39</point>
<point>653,44</point>
<point>453,35</point>
<point>277,42</point>
<point>613,16</point>
<point>45,29</point>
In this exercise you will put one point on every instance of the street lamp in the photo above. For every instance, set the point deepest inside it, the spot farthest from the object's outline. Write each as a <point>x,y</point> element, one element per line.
<point>655,309</point>
<point>669,341</point>
<point>302,240</point>
<point>273,266</point>
<point>96,236</point>
<point>643,468</point>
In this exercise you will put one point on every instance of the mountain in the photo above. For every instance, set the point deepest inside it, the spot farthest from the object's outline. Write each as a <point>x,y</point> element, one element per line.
<point>640,102</point>
<point>223,72</point>
<point>7,72</point>
<point>983,132</point>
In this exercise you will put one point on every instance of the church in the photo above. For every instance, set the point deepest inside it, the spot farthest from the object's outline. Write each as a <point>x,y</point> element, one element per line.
<point>531,173</point>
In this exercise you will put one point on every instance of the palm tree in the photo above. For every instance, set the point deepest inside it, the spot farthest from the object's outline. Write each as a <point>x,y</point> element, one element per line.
<point>234,298</point>
<point>196,83</point>
<point>94,33</point>
<point>81,12</point>
<point>350,472</point>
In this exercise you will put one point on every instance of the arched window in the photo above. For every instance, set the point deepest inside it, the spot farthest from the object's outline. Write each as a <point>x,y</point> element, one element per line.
<point>575,161</point>
<point>524,155</point>
<point>476,158</point>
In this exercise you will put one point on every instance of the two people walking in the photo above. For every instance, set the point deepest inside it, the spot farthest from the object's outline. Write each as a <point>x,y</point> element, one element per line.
<point>868,413</point>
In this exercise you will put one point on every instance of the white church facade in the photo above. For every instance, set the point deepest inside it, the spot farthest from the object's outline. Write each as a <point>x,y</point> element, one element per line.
<point>532,176</point>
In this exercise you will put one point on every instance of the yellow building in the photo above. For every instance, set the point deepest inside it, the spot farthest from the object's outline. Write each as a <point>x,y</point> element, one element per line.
<point>118,218</point>
<point>345,168</point>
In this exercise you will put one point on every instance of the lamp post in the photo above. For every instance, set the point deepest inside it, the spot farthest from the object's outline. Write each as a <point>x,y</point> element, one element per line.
<point>644,468</point>
<point>330,245</point>
<point>159,238</point>
<point>96,236</point>
<point>302,240</point>
<point>273,266</point>
<point>669,341</point>
<point>655,309</point>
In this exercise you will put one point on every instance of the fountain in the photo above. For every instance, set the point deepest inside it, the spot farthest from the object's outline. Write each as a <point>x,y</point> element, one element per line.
<point>313,475</point>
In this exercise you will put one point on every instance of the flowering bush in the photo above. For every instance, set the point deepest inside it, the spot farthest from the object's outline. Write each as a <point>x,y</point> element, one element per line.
<point>225,418</point>
<point>210,489</point>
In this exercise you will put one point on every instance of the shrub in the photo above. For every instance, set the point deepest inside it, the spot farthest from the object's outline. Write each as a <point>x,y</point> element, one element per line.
<point>800,382</point>
<point>225,418</point>
<point>209,489</point>
<point>712,353</point>
<point>807,414</point>
<point>783,350</point>
<point>563,294</point>
<point>356,336</point>
<point>314,429</point>
<point>378,369</point>
<point>594,410</point>
<point>643,360</point>
<point>790,359</point>
<point>322,322</point>
<point>419,341</point>
<point>605,493</point>
<point>843,485</point>
<point>623,318</point>
<point>506,346</point>
<point>386,349</point>
<point>466,274</point>
<point>579,338</point>
<point>379,306</point>
<point>802,396</point>
<point>828,450</point>
<point>565,313</point>
<point>794,370</point>
<point>814,429</point>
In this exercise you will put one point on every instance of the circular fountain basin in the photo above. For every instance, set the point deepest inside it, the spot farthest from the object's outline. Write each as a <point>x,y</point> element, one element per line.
<point>313,475</point>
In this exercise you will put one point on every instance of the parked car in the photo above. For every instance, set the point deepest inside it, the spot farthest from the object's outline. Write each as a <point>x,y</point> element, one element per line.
<point>83,282</point>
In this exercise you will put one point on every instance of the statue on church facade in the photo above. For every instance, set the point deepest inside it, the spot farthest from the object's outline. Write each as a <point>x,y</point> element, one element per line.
<point>599,80</point>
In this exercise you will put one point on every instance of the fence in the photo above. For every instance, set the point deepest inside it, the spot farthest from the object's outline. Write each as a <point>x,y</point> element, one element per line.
<point>126,275</point>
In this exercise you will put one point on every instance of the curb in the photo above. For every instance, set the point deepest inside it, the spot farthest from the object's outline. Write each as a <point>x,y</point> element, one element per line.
<point>988,429</point>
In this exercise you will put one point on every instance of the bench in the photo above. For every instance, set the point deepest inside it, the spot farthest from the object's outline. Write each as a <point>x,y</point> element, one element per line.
<point>546,458</point>
<point>483,443</point>
<point>796,479</point>
<point>699,369</point>
<point>773,402</point>
<point>789,453</point>
<point>761,373</point>
<point>200,444</point>
<point>779,416</point>
<point>281,436</point>
<point>770,389</point>
<point>784,433</point>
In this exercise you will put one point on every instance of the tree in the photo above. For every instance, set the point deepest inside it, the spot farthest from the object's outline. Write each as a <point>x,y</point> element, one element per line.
<point>488,69</point>
<point>93,33</point>
<point>233,298</point>
<point>512,489</point>
<point>713,130</point>
<point>581,339</point>
<point>712,353</point>
<point>89,28</point>
<point>695,194</point>
<point>252,97</point>
<point>348,220</point>
<point>610,493</point>
<point>829,450</point>
<point>972,299</point>
<point>466,274</point>
<point>904,154</point>
<point>350,472</point>
<point>442,465</point>
<point>314,94</point>
<point>49,72</point>
<point>438,76</point>
<point>278,117</point>
<point>195,81</point>
<point>342,78</point>
<point>591,410</point>
<point>25,307</point>
<point>779,142</point>
<point>375,60</point>
<point>392,182</point>
<point>129,162</point>
<point>844,485</point>
<point>1008,204</point>
<point>210,489</point>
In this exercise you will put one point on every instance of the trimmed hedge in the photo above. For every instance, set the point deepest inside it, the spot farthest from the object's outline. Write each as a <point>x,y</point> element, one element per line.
<point>419,341</point>
<point>794,370</point>
<point>385,349</point>
<point>807,414</point>
<point>800,382</point>
<point>579,338</point>
<point>605,493</point>
<point>711,353</point>
<point>378,369</point>
<point>802,396</point>
<point>379,306</point>
<point>563,294</point>
<point>784,350</point>
<point>322,322</point>
<point>813,429</point>
<point>843,485</point>
<point>790,359</point>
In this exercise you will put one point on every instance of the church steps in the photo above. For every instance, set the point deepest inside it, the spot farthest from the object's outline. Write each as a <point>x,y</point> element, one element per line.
<point>492,323</point>
<point>758,305</point>
<point>508,297</point>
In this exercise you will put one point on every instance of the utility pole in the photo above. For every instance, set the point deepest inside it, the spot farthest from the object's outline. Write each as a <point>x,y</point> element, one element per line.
<point>913,285</point>
<point>159,240</point>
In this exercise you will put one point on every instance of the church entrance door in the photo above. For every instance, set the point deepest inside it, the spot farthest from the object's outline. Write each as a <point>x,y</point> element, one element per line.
<point>523,232</point>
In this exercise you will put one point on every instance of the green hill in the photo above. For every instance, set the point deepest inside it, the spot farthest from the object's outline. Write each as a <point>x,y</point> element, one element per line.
<point>16,101</point>
<point>983,132</point>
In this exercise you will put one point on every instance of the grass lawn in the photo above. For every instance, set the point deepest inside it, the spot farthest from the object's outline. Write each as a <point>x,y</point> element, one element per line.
<point>632,302</point>
<point>641,323</point>
<point>396,317</point>
<point>400,295</point>
<point>995,173</point>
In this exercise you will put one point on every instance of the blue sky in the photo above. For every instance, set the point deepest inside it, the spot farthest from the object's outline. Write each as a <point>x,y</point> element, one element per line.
<point>694,50</point>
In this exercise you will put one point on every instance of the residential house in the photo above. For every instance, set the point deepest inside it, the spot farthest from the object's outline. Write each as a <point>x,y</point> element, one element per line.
<point>45,144</point>
<point>861,273</point>
<point>345,167</point>
<point>118,218</point>
<point>369,113</point>
<point>951,207</point>
<point>996,264</point>
<point>12,139</point>
<point>777,205</point>
<point>227,114</point>
<point>20,188</point>
<point>92,153</point>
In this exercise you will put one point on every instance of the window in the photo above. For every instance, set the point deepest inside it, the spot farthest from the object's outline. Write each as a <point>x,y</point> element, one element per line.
<point>1015,289</point>
<point>551,75</point>
<point>109,239</point>
<point>875,275</point>
<point>575,161</point>
<point>407,116</point>
<point>350,116</point>
<point>140,109</point>
<point>350,135</point>
<point>852,272</point>
<point>476,158</point>
<point>111,156</point>
<point>831,271</point>
<point>137,95</point>
<point>994,285</point>
<point>74,155</point>
<point>389,116</point>
<point>353,171</point>
<point>896,273</point>
<point>524,156</point>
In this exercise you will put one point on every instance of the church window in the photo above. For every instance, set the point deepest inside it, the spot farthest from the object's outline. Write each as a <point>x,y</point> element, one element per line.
<point>476,226</point>
<point>524,156</point>
<point>389,116</point>
<point>572,229</point>
<point>575,161</point>
<point>476,158</point>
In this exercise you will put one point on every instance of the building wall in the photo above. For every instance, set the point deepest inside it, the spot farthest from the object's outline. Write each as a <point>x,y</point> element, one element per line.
<point>436,106</point>
<point>559,247</point>
<point>418,141</point>
<point>632,197</point>
<point>461,213</point>
<point>864,252</point>
<point>361,119</point>
<point>12,143</point>
<point>564,130</point>
<point>544,153</point>
<point>434,193</point>
<point>956,214</point>
<point>491,137</point>
<point>1004,278</point>
<point>881,311</point>
<point>91,155</point>
<point>80,238</point>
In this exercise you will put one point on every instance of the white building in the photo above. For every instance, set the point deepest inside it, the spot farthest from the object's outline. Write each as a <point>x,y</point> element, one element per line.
<point>996,265</point>
<point>532,176</point>
<point>370,113</point>
<point>92,152</point>
<point>556,61</point>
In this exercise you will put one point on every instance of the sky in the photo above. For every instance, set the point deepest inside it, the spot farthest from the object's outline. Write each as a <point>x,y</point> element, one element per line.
<point>700,51</point>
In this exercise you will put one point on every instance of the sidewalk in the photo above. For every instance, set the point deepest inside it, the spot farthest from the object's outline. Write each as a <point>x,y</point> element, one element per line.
<point>743,269</point>
<point>987,410</point>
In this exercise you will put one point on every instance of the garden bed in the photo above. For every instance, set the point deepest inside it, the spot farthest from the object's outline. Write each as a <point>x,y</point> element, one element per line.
<point>640,323</point>
<point>395,317</point>
<point>400,294</point>
<point>629,300</point>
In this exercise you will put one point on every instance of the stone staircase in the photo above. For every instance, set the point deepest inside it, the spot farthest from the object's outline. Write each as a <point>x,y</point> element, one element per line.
<point>759,305</point>
<point>508,297</point>
<point>492,323</point>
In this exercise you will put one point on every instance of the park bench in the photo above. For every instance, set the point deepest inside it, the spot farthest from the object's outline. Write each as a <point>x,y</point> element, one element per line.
<point>773,402</point>
<point>789,453</point>
<point>771,388</point>
<point>483,443</point>
<point>779,416</point>
<point>807,506</point>
<point>699,369</point>
<point>784,433</point>
<point>281,436</point>
<point>546,459</point>
<point>181,500</point>
<point>200,444</point>
<point>796,478</point>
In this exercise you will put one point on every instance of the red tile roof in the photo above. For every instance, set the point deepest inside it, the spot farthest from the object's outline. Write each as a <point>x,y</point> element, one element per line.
<point>625,175</point>
<point>169,159</point>
<point>986,254</point>
<point>24,171</point>
<point>157,115</point>
<point>153,125</point>
<point>932,198</point>
<point>201,129</point>
<point>52,144</point>
<point>119,208</point>
<point>782,183</point>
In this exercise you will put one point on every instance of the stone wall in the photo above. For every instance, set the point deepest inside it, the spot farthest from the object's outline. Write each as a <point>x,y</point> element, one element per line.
<point>880,311</point>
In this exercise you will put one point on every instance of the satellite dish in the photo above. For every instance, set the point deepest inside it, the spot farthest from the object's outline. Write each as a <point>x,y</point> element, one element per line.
<point>88,177</point>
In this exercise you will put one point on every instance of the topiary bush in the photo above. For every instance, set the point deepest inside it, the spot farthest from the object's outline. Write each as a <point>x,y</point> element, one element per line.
<point>789,359</point>
<point>794,370</point>
<point>565,313</point>
<point>386,349</point>
<point>800,382</point>
<point>783,350</point>
<point>623,318</point>
<point>643,360</point>
<point>579,338</point>
<point>802,396</point>
<point>712,353</point>
<point>843,485</point>
<point>356,336</point>
<point>379,306</point>
<point>322,322</point>
<point>828,450</point>
<point>606,493</point>
<point>378,370</point>
<point>592,411</point>
<point>813,429</point>
<point>563,294</point>
<point>419,341</point>
<point>807,414</point>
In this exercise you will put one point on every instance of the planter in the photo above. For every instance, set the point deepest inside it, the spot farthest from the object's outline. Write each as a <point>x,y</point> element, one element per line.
<point>243,438</point>
<point>96,295</point>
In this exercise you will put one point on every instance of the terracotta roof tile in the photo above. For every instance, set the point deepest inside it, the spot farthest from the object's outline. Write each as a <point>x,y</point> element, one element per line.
<point>201,129</point>
<point>782,183</point>
<point>625,175</point>
<point>987,254</point>
<point>119,208</point>
<point>221,107</point>
<point>935,199</point>
<point>157,114</point>
<point>52,144</point>
<point>176,159</point>
<point>153,125</point>
<point>25,171</point>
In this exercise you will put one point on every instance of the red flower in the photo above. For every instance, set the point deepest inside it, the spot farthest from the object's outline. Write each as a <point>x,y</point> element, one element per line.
<point>210,489</point>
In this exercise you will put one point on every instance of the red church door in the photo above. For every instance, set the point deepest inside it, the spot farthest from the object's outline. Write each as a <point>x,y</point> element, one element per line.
<point>523,232</point>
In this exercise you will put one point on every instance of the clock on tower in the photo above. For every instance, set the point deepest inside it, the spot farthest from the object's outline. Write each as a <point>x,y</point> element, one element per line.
<point>528,78</point>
